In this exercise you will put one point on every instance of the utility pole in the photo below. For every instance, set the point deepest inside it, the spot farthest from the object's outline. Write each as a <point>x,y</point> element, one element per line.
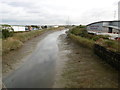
<point>68,23</point>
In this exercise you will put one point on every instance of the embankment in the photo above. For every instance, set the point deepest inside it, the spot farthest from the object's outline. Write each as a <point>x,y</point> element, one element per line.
<point>109,55</point>
<point>18,39</point>
<point>82,41</point>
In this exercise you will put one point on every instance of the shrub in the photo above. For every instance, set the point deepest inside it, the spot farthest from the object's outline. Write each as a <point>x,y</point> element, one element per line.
<point>75,31</point>
<point>7,31</point>
<point>104,36</point>
<point>79,30</point>
<point>95,38</point>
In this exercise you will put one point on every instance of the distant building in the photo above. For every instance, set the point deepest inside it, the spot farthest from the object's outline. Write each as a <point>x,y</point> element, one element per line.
<point>18,28</point>
<point>105,27</point>
<point>56,26</point>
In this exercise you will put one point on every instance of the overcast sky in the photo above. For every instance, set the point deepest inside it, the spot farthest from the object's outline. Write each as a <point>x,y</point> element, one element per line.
<point>57,11</point>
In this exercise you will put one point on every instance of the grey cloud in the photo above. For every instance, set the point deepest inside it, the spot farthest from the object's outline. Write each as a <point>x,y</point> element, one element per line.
<point>53,12</point>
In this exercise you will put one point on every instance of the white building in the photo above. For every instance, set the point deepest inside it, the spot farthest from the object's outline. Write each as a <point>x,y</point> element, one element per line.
<point>56,26</point>
<point>18,28</point>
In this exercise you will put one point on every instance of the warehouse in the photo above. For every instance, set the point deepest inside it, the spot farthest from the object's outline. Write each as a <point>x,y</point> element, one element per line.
<point>105,27</point>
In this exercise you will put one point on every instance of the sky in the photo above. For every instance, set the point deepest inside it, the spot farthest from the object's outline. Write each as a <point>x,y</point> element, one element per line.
<point>57,12</point>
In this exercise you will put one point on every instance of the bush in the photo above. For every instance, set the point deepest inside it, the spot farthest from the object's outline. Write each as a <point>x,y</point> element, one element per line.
<point>95,38</point>
<point>79,30</point>
<point>104,36</point>
<point>6,33</point>
<point>75,31</point>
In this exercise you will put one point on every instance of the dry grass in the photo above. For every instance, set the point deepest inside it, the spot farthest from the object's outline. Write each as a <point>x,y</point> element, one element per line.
<point>83,41</point>
<point>27,35</point>
<point>10,44</point>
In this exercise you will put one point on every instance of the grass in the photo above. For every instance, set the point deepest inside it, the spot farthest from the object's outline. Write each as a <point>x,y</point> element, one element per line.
<point>10,44</point>
<point>27,35</point>
<point>83,41</point>
<point>18,39</point>
<point>112,45</point>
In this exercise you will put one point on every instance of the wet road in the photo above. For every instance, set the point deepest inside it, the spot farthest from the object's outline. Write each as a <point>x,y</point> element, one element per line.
<point>38,70</point>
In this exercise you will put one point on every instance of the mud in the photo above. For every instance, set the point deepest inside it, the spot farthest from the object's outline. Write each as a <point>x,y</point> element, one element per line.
<point>83,69</point>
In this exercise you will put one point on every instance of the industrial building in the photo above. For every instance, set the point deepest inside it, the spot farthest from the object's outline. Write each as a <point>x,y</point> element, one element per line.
<point>105,27</point>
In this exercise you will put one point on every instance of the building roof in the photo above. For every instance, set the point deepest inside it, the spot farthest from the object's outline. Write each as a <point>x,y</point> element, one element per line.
<point>103,21</point>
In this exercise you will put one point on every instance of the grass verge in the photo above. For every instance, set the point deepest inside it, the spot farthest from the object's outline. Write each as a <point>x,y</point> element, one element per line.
<point>82,41</point>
